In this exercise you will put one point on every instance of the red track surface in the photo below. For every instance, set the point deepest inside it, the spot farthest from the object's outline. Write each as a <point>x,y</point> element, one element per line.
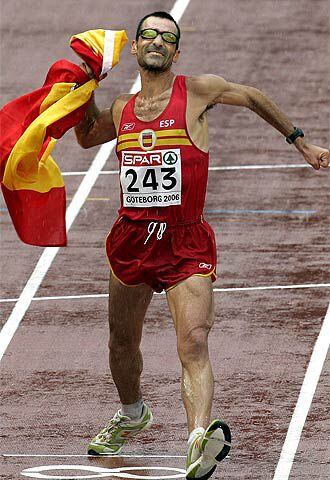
<point>56,389</point>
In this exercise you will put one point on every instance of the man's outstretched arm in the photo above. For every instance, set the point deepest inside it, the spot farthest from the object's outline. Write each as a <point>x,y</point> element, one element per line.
<point>214,90</point>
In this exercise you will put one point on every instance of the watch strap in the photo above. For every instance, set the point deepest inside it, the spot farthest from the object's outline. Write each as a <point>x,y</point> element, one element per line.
<point>296,133</point>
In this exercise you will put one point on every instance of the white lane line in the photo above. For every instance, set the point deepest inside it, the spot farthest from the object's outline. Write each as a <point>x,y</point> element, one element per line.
<point>87,456</point>
<point>49,253</point>
<point>259,167</point>
<point>273,287</point>
<point>222,168</point>
<point>305,399</point>
<point>216,290</point>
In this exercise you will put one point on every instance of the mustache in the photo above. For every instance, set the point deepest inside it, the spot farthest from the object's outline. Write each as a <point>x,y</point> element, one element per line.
<point>156,50</point>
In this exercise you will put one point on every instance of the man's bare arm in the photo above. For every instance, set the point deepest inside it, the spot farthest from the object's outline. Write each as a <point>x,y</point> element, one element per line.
<point>213,90</point>
<point>96,127</point>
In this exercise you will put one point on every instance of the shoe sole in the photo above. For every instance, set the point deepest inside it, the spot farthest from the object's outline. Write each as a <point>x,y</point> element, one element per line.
<point>226,432</point>
<point>223,452</point>
<point>205,477</point>
<point>90,451</point>
<point>106,454</point>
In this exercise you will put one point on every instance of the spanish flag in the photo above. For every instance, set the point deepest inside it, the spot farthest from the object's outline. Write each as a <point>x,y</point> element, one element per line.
<point>31,181</point>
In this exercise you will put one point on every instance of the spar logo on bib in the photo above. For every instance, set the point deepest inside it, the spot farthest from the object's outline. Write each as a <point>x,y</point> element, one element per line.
<point>147,139</point>
<point>170,158</point>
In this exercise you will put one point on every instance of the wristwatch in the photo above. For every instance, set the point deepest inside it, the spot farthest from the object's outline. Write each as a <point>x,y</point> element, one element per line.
<point>296,133</point>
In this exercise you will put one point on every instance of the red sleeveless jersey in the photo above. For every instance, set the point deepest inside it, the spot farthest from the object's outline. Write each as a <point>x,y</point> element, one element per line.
<point>163,174</point>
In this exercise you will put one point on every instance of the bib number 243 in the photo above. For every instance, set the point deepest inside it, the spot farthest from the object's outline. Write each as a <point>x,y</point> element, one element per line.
<point>151,179</point>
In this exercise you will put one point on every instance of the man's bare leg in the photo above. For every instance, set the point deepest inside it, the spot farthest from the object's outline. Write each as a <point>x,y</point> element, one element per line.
<point>192,307</point>
<point>127,309</point>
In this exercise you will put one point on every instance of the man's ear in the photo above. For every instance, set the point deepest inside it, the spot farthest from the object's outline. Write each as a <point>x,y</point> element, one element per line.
<point>134,47</point>
<point>176,56</point>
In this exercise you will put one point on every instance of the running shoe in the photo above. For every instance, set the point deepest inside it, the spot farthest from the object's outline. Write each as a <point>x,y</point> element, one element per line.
<point>112,438</point>
<point>207,450</point>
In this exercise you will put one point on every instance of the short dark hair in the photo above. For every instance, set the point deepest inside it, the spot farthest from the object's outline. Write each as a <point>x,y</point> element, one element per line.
<point>160,14</point>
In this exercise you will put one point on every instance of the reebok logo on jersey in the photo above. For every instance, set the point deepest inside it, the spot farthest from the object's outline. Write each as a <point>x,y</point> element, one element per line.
<point>128,126</point>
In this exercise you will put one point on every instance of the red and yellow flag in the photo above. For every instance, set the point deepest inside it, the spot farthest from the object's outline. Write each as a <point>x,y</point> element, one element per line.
<point>31,181</point>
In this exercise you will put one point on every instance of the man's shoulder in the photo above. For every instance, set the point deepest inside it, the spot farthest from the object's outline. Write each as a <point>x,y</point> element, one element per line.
<point>118,105</point>
<point>120,101</point>
<point>202,84</point>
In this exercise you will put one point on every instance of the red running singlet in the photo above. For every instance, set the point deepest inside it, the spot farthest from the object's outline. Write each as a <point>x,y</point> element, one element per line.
<point>163,175</point>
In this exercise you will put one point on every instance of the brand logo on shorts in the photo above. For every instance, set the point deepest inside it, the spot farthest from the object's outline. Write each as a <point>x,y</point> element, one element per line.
<point>170,158</point>
<point>147,139</point>
<point>128,126</point>
<point>205,265</point>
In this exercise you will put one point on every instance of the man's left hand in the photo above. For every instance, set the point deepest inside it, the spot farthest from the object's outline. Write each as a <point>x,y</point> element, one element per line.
<point>316,156</point>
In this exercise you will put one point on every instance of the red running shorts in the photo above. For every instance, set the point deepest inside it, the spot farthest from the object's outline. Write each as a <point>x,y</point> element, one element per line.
<point>158,255</point>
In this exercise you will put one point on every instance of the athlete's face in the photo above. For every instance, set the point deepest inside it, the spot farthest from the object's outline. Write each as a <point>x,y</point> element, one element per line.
<point>155,54</point>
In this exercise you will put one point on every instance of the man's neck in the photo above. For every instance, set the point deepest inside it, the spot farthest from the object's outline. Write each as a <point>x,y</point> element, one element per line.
<point>154,84</point>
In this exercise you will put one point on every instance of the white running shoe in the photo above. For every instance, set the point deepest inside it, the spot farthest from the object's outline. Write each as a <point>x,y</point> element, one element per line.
<point>207,450</point>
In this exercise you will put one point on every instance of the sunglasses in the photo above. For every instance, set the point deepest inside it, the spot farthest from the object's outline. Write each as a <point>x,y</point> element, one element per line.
<point>151,33</point>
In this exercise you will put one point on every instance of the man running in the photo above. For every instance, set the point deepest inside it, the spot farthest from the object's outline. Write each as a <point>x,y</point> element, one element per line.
<point>160,240</point>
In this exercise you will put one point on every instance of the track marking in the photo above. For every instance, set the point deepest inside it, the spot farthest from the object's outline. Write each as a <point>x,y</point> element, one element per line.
<point>304,402</point>
<point>263,212</point>
<point>23,455</point>
<point>101,472</point>
<point>96,199</point>
<point>215,290</point>
<point>49,253</point>
<point>216,211</point>
<point>211,169</point>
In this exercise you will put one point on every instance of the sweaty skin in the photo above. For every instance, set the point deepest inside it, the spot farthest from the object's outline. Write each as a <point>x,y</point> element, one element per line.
<point>190,302</point>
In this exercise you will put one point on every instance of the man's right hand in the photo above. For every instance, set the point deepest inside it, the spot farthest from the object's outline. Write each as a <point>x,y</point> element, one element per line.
<point>87,69</point>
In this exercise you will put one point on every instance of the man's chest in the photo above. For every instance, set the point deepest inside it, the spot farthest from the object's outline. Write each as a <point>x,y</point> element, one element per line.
<point>148,110</point>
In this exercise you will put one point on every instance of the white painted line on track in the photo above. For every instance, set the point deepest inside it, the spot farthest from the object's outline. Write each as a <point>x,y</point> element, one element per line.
<point>304,402</point>
<point>101,472</point>
<point>211,169</point>
<point>259,167</point>
<point>49,253</point>
<point>273,287</point>
<point>216,290</point>
<point>25,455</point>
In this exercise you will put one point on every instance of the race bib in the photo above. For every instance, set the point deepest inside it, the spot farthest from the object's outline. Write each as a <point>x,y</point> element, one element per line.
<point>151,179</point>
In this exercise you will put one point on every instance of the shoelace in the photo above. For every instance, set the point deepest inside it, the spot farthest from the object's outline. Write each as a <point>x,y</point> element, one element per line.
<point>152,227</point>
<point>113,425</point>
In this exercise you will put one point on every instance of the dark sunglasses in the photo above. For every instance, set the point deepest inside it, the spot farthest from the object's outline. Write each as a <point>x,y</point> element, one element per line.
<point>151,33</point>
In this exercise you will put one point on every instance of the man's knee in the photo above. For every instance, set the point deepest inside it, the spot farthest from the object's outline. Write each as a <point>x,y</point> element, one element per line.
<point>120,343</point>
<point>193,344</point>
